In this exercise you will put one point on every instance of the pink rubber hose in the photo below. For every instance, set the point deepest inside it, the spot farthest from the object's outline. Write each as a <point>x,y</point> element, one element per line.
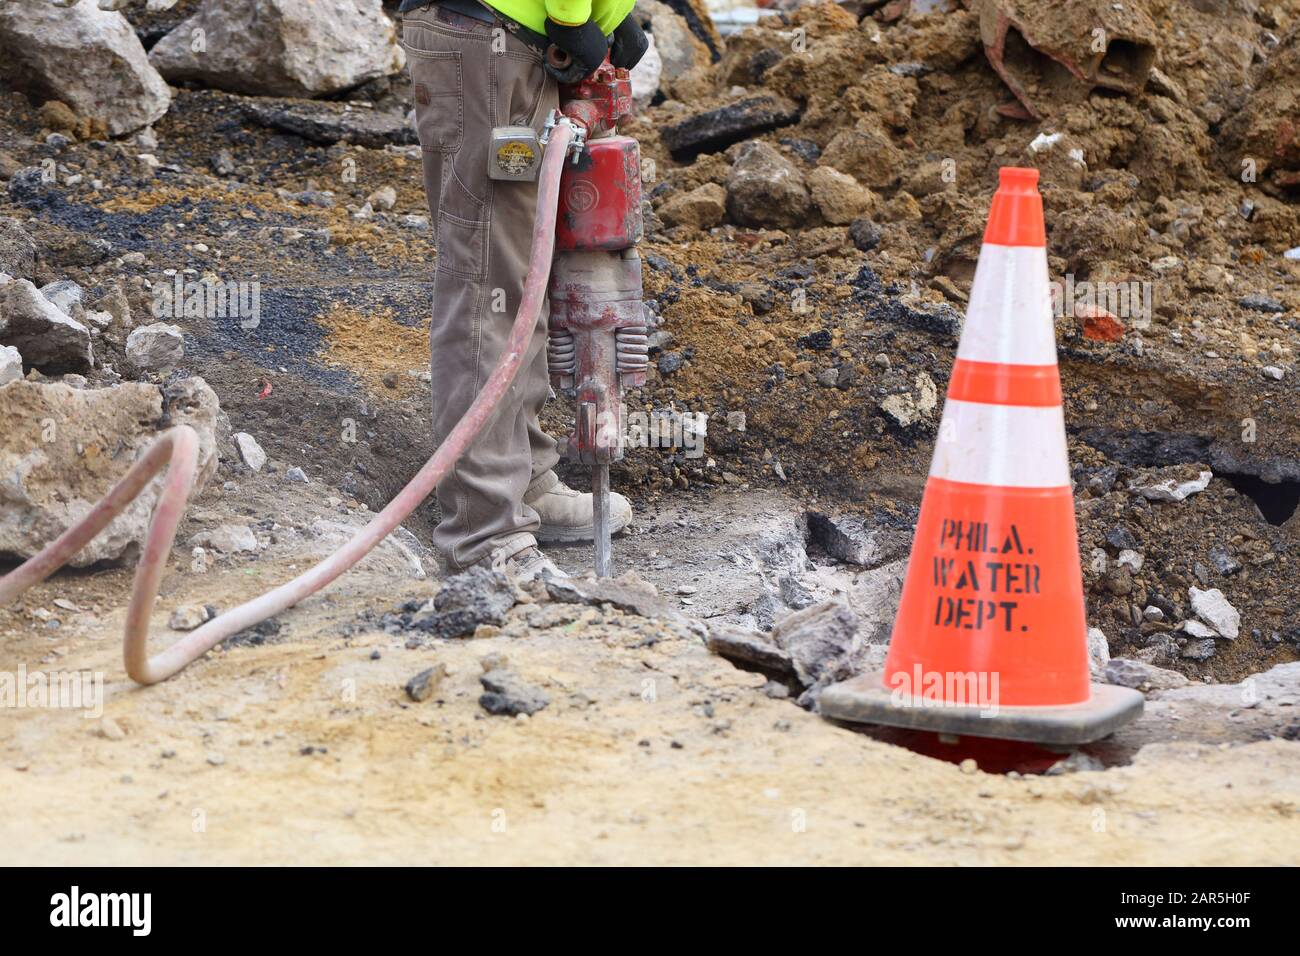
<point>178,450</point>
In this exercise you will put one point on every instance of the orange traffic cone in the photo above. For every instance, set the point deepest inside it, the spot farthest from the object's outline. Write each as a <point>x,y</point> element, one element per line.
<point>991,637</point>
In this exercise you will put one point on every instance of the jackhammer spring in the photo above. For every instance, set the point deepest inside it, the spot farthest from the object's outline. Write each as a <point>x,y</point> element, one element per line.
<point>561,353</point>
<point>632,349</point>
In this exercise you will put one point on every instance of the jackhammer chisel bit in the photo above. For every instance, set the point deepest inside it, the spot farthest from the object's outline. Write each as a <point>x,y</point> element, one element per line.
<point>598,343</point>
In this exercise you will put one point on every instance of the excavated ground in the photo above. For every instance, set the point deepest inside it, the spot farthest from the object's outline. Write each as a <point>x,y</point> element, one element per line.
<point>276,759</point>
<point>302,744</point>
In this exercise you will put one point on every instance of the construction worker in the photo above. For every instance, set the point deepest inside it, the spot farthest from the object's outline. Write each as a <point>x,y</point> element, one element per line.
<point>475,66</point>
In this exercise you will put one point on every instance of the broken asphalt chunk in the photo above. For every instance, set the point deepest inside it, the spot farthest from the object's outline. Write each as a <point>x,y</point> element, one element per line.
<point>749,647</point>
<point>851,539</point>
<point>626,592</point>
<point>331,123</point>
<point>466,600</point>
<point>716,129</point>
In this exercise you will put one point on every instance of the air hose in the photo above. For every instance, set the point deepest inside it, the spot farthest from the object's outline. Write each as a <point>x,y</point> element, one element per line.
<point>177,451</point>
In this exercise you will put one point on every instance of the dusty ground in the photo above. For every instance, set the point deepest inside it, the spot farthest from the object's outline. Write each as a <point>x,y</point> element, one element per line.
<point>308,750</point>
<point>303,747</point>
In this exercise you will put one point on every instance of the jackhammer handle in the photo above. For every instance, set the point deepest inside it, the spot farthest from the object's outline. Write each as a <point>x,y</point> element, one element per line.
<point>559,63</point>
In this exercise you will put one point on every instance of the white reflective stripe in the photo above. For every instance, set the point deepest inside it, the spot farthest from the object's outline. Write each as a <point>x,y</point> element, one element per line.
<point>1009,319</point>
<point>1011,445</point>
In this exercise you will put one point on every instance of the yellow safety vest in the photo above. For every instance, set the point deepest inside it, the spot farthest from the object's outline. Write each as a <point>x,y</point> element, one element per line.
<point>606,14</point>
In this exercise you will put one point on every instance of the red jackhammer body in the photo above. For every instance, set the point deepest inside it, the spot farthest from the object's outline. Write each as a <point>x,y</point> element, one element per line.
<point>598,342</point>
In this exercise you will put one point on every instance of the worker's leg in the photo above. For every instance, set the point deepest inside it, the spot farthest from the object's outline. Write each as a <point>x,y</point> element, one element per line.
<point>467,79</point>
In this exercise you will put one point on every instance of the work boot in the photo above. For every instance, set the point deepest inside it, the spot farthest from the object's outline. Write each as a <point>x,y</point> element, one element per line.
<point>567,514</point>
<point>524,566</point>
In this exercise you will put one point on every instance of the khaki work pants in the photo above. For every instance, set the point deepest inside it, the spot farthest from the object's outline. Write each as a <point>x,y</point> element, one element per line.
<point>467,78</point>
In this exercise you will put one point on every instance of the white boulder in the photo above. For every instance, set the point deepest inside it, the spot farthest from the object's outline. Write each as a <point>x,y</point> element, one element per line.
<point>89,58</point>
<point>47,338</point>
<point>300,48</point>
<point>156,346</point>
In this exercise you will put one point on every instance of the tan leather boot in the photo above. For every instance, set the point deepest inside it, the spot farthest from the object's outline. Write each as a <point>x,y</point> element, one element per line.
<point>566,514</point>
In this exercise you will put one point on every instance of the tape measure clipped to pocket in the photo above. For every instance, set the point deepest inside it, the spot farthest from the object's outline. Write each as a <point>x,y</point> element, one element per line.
<point>515,154</point>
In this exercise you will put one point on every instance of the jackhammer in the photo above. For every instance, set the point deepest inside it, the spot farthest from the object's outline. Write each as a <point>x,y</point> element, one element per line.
<point>598,343</point>
<point>597,347</point>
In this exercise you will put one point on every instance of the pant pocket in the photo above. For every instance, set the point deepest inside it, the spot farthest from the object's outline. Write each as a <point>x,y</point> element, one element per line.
<point>462,247</point>
<point>439,86</point>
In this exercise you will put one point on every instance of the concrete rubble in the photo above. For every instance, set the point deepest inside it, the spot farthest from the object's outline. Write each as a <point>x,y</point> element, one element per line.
<point>86,57</point>
<point>155,347</point>
<point>1213,608</point>
<point>282,47</point>
<point>47,337</point>
<point>64,448</point>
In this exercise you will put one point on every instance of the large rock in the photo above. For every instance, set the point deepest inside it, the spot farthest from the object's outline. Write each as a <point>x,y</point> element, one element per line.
<point>282,47</point>
<point>47,338</point>
<point>17,249</point>
<point>700,208</point>
<point>838,196</point>
<point>86,57</point>
<point>765,189</point>
<point>62,449</point>
<point>156,346</point>
<point>679,49</point>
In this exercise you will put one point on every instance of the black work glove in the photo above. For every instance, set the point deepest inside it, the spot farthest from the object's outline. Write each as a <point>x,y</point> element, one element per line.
<point>630,44</point>
<point>585,44</point>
